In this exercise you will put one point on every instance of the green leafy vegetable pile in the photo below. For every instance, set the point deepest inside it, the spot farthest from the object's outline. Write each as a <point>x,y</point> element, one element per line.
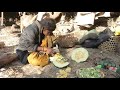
<point>89,73</point>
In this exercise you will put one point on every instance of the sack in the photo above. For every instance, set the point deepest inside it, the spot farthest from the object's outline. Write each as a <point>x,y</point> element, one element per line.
<point>90,43</point>
<point>94,43</point>
<point>38,59</point>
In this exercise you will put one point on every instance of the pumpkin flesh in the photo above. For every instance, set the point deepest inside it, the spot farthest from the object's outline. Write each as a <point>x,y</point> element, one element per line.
<point>59,61</point>
<point>79,55</point>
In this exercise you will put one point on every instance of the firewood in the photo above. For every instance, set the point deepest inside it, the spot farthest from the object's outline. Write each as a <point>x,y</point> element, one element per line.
<point>2,44</point>
<point>7,58</point>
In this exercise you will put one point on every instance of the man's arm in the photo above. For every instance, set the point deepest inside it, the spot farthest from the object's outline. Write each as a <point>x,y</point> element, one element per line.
<point>27,39</point>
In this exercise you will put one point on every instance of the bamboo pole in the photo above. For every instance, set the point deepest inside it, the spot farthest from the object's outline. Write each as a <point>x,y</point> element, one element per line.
<point>1,18</point>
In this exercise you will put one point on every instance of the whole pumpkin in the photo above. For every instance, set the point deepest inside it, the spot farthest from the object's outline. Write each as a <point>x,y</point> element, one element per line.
<point>37,59</point>
<point>117,31</point>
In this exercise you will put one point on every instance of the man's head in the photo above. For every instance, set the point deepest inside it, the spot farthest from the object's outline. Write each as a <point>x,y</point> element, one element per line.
<point>48,25</point>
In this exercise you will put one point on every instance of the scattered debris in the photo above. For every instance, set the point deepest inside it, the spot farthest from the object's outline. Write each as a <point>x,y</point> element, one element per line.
<point>64,73</point>
<point>108,64</point>
<point>35,69</point>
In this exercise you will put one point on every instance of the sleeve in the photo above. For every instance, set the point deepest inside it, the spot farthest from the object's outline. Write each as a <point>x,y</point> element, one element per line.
<point>28,39</point>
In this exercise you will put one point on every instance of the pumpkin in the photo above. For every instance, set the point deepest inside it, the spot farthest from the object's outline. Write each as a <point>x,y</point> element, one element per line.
<point>37,59</point>
<point>79,55</point>
<point>117,31</point>
<point>59,61</point>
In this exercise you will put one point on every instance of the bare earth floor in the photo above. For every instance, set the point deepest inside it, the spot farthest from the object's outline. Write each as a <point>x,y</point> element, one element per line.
<point>18,70</point>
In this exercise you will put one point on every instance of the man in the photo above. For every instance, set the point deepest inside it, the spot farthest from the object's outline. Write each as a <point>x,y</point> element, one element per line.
<point>32,37</point>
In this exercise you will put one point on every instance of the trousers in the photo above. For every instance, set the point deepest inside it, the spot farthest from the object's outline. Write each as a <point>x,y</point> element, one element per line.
<point>22,56</point>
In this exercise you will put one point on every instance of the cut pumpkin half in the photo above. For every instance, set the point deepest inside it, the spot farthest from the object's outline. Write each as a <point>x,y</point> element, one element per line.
<point>79,55</point>
<point>59,61</point>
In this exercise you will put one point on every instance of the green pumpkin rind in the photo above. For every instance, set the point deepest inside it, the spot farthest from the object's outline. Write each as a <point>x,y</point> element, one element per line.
<point>60,65</point>
<point>56,61</point>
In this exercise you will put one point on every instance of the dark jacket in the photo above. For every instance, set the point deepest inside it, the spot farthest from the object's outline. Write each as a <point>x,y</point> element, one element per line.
<point>31,37</point>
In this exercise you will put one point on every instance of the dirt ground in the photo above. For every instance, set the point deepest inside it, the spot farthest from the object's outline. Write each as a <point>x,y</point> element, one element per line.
<point>18,70</point>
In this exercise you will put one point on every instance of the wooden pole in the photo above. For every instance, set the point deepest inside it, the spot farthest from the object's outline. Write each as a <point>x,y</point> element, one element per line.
<point>2,18</point>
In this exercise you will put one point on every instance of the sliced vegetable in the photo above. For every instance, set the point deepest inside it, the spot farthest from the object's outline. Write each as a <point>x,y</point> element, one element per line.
<point>59,61</point>
<point>79,55</point>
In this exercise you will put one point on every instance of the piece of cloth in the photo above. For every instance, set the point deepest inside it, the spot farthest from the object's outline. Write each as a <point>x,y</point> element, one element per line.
<point>92,34</point>
<point>102,37</point>
<point>49,41</point>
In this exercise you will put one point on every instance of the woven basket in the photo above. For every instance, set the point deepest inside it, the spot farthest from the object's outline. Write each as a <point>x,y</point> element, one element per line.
<point>110,45</point>
<point>66,41</point>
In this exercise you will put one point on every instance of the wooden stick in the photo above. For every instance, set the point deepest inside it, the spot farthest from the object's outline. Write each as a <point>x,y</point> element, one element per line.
<point>2,18</point>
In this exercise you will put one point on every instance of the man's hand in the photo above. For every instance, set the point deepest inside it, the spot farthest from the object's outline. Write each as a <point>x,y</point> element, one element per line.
<point>48,50</point>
